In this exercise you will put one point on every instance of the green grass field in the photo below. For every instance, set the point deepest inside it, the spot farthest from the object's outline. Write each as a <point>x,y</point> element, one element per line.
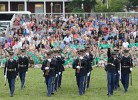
<point>36,89</point>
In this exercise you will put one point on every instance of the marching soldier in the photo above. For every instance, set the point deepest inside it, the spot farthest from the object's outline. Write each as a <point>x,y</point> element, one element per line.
<point>23,67</point>
<point>89,58</point>
<point>55,59</point>
<point>10,72</point>
<point>117,75</point>
<point>111,67</point>
<point>109,53</point>
<point>61,61</point>
<point>87,69</point>
<point>49,67</point>
<point>80,65</point>
<point>126,68</point>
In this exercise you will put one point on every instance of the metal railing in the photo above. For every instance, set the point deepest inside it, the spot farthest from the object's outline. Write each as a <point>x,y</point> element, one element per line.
<point>12,21</point>
<point>86,15</point>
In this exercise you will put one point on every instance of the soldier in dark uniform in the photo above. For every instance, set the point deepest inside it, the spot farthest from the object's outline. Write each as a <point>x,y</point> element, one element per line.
<point>111,70</point>
<point>126,68</point>
<point>55,59</point>
<point>85,58</point>
<point>80,65</point>
<point>61,61</point>
<point>109,53</point>
<point>89,58</point>
<point>117,74</point>
<point>23,67</point>
<point>11,71</point>
<point>49,67</point>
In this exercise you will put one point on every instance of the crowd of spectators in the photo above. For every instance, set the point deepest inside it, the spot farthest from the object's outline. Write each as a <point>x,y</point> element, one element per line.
<point>71,33</point>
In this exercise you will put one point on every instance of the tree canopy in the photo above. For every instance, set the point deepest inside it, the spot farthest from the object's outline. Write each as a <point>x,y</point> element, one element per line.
<point>88,5</point>
<point>113,6</point>
<point>134,2</point>
<point>101,5</point>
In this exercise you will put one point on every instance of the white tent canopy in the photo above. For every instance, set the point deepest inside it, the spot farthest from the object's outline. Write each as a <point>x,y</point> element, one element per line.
<point>16,12</point>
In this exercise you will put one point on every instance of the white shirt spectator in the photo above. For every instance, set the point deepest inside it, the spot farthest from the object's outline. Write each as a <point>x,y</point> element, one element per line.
<point>19,44</point>
<point>12,32</point>
<point>31,33</point>
<point>50,30</point>
<point>38,36</point>
<point>29,38</point>
<point>22,39</point>
<point>67,39</point>
<point>134,34</point>
<point>27,30</point>
<point>24,24</point>
<point>44,41</point>
<point>125,44</point>
<point>37,42</point>
<point>64,19</point>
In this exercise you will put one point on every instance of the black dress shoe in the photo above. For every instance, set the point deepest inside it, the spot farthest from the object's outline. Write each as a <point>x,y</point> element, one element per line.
<point>125,91</point>
<point>23,87</point>
<point>11,95</point>
<point>52,93</point>
<point>109,95</point>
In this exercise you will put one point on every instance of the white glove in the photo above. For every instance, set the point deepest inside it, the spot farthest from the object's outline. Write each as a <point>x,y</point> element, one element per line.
<point>88,74</point>
<point>78,67</point>
<point>81,58</point>
<point>59,73</point>
<point>26,72</point>
<point>46,68</point>
<point>5,76</point>
<point>119,72</point>
<point>130,69</point>
<point>87,54</point>
<point>56,75</point>
<point>49,60</point>
<point>17,77</point>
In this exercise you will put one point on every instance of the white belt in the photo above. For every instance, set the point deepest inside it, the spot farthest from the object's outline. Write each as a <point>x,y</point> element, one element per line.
<point>125,66</point>
<point>111,64</point>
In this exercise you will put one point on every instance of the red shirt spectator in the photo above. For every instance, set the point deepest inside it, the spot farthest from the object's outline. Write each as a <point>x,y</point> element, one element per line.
<point>50,39</point>
<point>88,23</point>
<point>75,35</point>
<point>13,43</point>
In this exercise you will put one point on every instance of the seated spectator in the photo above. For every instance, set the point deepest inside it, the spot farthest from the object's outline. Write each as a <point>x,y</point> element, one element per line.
<point>40,45</point>
<point>6,44</point>
<point>67,39</point>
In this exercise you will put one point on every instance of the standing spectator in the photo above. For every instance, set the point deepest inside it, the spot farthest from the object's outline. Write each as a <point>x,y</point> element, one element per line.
<point>125,44</point>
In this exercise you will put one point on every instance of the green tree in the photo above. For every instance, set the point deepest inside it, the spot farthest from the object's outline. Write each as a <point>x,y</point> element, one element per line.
<point>134,2</point>
<point>76,5</point>
<point>131,4</point>
<point>77,10</point>
<point>113,6</point>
